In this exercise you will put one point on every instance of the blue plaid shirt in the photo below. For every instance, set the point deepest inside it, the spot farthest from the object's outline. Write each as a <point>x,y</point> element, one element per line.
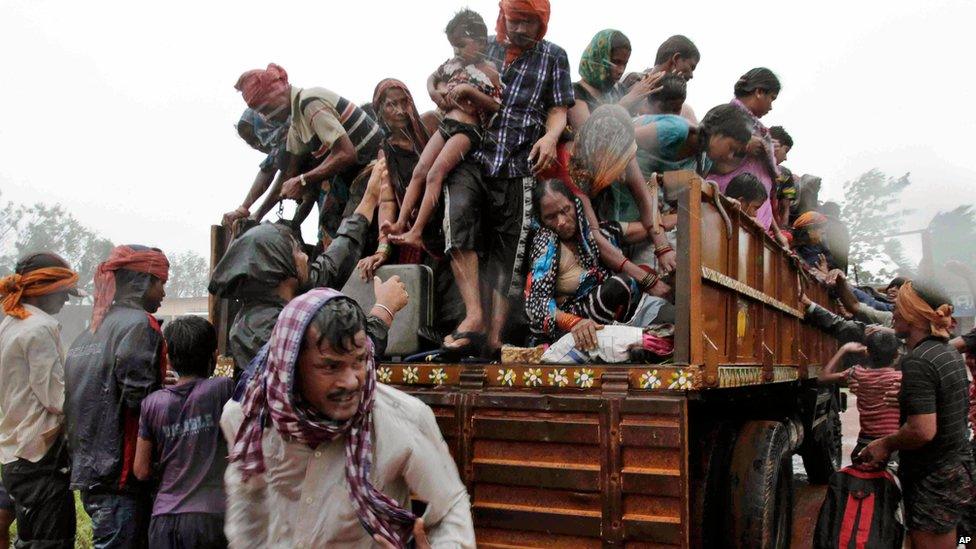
<point>534,83</point>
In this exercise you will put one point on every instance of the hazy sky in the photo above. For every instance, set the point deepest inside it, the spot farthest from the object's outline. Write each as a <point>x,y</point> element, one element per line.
<point>124,112</point>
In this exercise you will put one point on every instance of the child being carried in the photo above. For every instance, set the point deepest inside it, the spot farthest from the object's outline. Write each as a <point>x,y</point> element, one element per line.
<point>467,87</point>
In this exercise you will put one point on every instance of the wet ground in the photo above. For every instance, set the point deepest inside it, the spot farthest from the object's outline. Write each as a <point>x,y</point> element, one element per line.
<point>807,498</point>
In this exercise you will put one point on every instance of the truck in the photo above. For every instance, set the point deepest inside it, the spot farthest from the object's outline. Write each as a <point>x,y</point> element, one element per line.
<point>696,451</point>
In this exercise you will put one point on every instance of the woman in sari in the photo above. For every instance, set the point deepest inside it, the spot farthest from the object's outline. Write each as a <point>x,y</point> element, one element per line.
<point>406,136</point>
<point>570,288</point>
<point>755,92</point>
<point>606,153</point>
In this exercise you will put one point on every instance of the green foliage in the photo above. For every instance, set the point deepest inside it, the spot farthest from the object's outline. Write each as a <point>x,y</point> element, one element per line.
<point>28,229</point>
<point>189,275</point>
<point>871,216</point>
<point>953,236</point>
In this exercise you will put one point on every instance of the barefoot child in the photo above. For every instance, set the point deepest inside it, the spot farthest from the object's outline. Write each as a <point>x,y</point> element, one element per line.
<point>468,88</point>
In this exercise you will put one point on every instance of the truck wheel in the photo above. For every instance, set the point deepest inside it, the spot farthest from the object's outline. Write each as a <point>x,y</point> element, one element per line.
<point>761,487</point>
<point>822,452</point>
<point>710,484</point>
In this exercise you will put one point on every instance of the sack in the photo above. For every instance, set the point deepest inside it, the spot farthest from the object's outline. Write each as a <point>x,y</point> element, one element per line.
<point>860,511</point>
<point>614,343</point>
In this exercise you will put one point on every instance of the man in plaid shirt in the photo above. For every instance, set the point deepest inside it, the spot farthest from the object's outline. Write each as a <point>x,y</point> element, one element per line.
<point>520,142</point>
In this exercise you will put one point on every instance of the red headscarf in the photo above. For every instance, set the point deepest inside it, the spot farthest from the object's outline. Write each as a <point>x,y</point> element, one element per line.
<point>508,8</point>
<point>35,283</point>
<point>152,262</point>
<point>259,86</point>
<point>418,133</point>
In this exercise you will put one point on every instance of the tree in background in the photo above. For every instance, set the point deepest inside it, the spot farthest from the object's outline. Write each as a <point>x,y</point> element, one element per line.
<point>27,229</point>
<point>189,275</point>
<point>871,216</point>
<point>953,236</point>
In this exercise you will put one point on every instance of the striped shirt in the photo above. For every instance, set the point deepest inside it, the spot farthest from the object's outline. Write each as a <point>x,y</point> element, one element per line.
<point>878,418</point>
<point>934,382</point>
<point>320,117</point>
<point>534,83</point>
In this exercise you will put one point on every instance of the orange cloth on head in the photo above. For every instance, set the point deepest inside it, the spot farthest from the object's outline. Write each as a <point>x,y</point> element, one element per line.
<point>918,313</point>
<point>36,283</point>
<point>260,85</point>
<point>151,262</point>
<point>509,8</point>
<point>809,218</point>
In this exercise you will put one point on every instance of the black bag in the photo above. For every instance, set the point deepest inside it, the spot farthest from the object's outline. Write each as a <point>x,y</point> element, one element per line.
<point>860,511</point>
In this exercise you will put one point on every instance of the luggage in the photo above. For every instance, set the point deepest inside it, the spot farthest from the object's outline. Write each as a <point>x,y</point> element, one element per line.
<point>860,511</point>
<point>418,314</point>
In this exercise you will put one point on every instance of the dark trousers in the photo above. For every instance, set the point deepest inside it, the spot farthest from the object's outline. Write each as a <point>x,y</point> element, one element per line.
<point>43,504</point>
<point>119,520</point>
<point>187,531</point>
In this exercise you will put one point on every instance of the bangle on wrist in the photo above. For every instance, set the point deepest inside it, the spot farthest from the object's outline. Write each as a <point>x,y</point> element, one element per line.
<point>620,267</point>
<point>663,249</point>
<point>384,248</point>
<point>301,177</point>
<point>388,311</point>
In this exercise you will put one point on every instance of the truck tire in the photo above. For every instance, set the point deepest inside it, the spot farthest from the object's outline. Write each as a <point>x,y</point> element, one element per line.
<point>710,484</point>
<point>761,487</point>
<point>822,452</point>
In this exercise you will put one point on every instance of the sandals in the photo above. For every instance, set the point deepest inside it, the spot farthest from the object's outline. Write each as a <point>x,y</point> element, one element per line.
<point>476,342</point>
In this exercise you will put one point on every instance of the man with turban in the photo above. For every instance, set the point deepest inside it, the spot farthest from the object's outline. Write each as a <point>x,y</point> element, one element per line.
<point>32,445</point>
<point>936,468</point>
<point>330,141</point>
<point>110,369</point>
<point>321,455</point>
<point>520,143</point>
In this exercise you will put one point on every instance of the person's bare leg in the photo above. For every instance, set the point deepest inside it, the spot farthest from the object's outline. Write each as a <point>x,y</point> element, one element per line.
<point>450,156</point>
<point>415,189</point>
<point>500,306</point>
<point>464,264</point>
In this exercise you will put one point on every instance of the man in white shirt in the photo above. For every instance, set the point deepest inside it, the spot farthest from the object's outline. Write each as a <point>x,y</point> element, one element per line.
<point>324,456</point>
<point>32,445</point>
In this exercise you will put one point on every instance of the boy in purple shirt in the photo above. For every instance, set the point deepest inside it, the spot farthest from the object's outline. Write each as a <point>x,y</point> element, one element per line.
<point>181,445</point>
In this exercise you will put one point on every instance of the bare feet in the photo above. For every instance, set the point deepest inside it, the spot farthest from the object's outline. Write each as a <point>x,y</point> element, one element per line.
<point>388,228</point>
<point>409,238</point>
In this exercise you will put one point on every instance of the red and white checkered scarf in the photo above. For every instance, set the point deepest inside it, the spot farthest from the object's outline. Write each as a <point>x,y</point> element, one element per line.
<point>270,395</point>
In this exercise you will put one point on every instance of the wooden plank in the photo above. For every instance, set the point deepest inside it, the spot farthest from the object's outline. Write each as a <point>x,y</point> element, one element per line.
<point>534,519</point>
<point>543,475</point>
<point>658,435</point>
<point>537,430</point>
<point>688,328</point>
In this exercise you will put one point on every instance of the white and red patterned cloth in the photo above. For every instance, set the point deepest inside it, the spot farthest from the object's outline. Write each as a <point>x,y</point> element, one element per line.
<point>270,395</point>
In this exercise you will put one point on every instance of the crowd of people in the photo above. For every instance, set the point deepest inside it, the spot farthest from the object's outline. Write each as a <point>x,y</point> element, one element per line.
<point>535,200</point>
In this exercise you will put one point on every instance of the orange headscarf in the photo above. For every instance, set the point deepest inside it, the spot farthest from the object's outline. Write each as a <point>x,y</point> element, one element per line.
<point>809,218</point>
<point>35,283</point>
<point>260,85</point>
<point>151,262</point>
<point>917,312</point>
<point>508,8</point>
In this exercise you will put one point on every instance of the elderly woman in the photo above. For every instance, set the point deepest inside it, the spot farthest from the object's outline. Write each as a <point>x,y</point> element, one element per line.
<point>755,92</point>
<point>569,287</point>
<point>605,153</point>
<point>405,137</point>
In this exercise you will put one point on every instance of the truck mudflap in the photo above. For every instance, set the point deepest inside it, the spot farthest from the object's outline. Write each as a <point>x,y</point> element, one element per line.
<point>820,408</point>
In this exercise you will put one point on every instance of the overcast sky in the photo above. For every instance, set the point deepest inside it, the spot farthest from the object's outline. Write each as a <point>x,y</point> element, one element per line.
<point>124,112</point>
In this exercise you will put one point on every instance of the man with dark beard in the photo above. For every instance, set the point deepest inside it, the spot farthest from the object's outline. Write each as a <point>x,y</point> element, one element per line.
<point>110,369</point>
